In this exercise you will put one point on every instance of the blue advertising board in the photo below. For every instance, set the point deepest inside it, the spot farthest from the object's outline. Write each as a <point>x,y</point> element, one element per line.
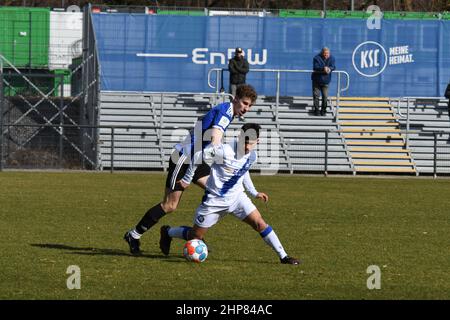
<point>174,53</point>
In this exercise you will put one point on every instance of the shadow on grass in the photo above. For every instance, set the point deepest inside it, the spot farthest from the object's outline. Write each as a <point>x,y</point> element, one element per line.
<point>90,251</point>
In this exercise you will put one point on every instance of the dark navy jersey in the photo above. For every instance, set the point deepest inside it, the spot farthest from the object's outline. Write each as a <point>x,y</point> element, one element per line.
<point>219,117</point>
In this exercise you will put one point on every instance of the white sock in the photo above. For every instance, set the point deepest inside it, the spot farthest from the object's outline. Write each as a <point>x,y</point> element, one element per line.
<point>270,237</point>
<point>179,232</point>
<point>135,234</point>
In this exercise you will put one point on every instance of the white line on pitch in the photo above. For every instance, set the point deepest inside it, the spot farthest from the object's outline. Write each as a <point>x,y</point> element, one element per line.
<point>162,55</point>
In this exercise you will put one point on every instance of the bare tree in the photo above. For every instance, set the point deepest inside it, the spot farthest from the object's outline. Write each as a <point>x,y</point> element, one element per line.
<point>406,5</point>
<point>385,5</point>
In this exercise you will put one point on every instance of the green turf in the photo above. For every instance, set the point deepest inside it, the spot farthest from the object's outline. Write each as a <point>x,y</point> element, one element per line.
<point>337,226</point>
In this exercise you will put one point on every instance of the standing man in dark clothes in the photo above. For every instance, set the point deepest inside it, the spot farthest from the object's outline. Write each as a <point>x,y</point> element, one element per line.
<point>238,67</point>
<point>323,65</point>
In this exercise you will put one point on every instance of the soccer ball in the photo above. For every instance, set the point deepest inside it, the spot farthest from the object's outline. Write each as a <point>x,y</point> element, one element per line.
<point>195,250</point>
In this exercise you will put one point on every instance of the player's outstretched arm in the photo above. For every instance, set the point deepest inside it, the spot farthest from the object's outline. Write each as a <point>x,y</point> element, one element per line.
<point>262,196</point>
<point>250,187</point>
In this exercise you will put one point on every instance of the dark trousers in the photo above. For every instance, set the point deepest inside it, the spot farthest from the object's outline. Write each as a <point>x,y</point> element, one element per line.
<point>317,90</point>
<point>233,88</point>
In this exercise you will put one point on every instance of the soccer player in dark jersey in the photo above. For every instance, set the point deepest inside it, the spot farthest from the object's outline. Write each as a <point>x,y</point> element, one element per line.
<point>213,123</point>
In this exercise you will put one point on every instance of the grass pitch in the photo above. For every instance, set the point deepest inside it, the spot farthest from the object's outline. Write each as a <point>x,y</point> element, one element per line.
<point>337,226</point>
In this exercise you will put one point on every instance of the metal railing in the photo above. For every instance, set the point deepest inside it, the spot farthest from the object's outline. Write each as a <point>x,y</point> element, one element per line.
<point>219,85</point>
<point>408,100</point>
<point>317,151</point>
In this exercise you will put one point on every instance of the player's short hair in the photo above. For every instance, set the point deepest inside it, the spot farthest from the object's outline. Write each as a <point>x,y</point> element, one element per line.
<point>250,131</point>
<point>246,91</point>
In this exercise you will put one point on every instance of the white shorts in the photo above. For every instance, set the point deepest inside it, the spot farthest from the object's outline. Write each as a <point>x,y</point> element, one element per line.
<point>211,210</point>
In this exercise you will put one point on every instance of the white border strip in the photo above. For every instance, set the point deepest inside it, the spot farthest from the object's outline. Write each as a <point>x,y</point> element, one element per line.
<point>162,55</point>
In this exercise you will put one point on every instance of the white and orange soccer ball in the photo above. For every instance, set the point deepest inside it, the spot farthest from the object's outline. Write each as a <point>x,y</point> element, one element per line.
<point>195,250</point>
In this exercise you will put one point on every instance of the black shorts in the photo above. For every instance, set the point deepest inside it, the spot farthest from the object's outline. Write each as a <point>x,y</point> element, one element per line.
<point>178,170</point>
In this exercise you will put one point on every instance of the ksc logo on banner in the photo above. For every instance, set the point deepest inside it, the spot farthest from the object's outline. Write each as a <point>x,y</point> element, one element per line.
<point>370,58</point>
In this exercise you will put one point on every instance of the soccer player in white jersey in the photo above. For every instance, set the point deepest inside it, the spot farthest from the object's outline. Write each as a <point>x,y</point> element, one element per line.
<point>224,193</point>
<point>181,163</point>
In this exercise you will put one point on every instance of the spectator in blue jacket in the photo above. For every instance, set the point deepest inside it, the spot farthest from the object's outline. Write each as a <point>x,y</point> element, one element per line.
<point>323,65</point>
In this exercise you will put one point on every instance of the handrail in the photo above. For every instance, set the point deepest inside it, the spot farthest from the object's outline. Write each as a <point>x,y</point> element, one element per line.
<point>168,93</point>
<point>220,70</point>
<point>219,77</point>
<point>408,99</point>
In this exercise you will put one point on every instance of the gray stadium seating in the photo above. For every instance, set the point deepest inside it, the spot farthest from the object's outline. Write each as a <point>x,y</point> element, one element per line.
<point>149,124</point>
<point>425,117</point>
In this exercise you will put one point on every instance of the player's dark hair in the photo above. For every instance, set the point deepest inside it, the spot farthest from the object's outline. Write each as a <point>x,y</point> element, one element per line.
<point>250,131</point>
<point>246,91</point>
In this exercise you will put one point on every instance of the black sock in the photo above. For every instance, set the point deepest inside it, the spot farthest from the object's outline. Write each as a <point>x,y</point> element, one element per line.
<point>150,218</point>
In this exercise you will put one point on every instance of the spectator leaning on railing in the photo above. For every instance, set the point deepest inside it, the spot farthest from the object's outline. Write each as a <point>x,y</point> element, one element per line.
<point>323,65</point>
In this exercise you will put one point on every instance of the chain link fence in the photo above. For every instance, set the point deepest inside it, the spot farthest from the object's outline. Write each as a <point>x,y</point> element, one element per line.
<point>42,124</point>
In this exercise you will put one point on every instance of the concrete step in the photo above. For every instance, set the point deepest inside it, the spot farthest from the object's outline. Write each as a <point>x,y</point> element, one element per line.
<point>385,169</point>
<point>373,110</point>
<point>361,98</point>
<point>372,136</point>
<point>375,143</point>
<point>385,149</point>
<point>364,105</point>
<point>379,156</point>
<point>348,117</point>
<point>368,123</point>
<point>382,163</point>
<point>369,130</point>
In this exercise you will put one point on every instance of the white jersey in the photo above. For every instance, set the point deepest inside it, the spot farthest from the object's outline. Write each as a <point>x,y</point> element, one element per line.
<point>228,174</point>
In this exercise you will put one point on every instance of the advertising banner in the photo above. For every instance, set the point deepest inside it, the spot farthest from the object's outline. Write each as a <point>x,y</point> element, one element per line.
<point>393,58</point>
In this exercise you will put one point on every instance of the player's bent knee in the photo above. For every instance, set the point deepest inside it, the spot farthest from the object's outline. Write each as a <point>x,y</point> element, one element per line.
<point>261,225</point>
<point>256,221</point>
<point>169,207</point>
<point>171,200</point>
